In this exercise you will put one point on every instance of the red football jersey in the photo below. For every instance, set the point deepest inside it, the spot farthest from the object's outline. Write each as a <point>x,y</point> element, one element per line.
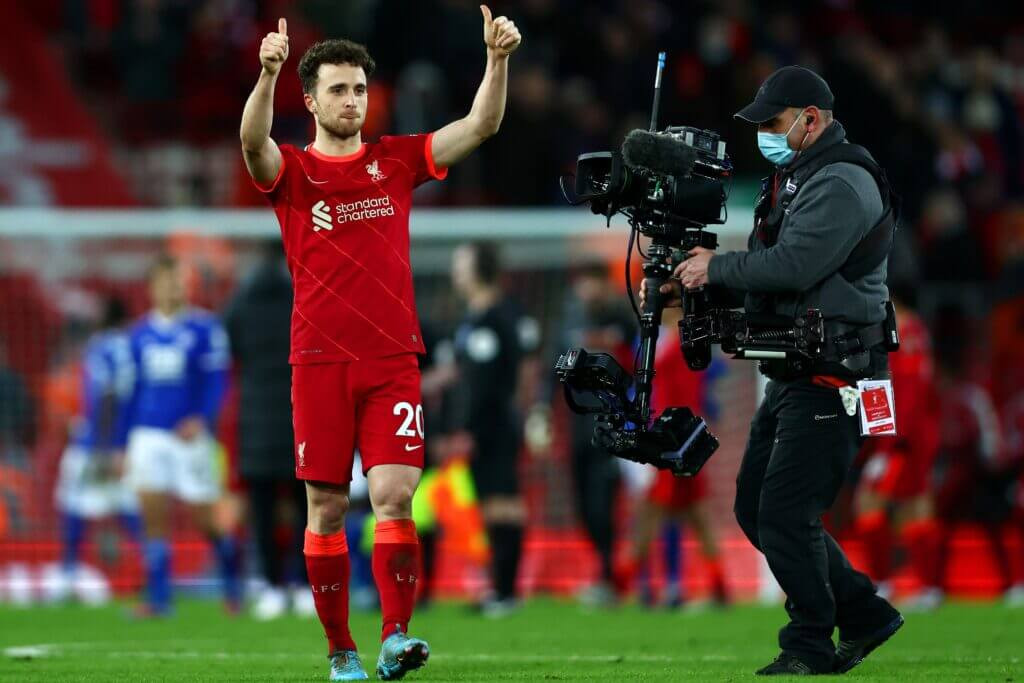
<point>913,384</point>
<point>345,225</point>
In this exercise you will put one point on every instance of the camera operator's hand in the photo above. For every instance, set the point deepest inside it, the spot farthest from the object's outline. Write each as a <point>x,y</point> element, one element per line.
<point>672,288</point>
<point>693,272</point>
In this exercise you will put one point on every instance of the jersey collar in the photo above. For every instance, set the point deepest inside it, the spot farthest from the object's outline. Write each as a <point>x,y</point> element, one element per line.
<point>336,159</point>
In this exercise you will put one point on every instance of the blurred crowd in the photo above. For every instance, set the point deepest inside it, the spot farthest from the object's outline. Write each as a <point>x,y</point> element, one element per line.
<point>939,102</point>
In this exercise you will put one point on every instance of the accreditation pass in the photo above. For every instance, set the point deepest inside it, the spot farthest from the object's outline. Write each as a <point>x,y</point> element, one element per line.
<point>877,410</point>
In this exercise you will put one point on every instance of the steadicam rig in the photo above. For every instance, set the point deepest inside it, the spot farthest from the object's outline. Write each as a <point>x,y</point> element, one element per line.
<point>757,336</point>
<point>670,185</point>
<point>678,440</point>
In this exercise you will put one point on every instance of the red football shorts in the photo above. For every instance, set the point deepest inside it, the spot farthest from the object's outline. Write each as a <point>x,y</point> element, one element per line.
<point>676,493</point>
<point>895,471</point>
<point>372,405</point>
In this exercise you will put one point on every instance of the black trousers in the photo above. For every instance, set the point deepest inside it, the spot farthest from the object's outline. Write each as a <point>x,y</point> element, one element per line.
<point>596,477</point>
<point>801,445</point>
<point>264,493</point>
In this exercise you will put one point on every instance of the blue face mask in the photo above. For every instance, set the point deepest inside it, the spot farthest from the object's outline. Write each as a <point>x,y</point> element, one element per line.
<point>775,146</point>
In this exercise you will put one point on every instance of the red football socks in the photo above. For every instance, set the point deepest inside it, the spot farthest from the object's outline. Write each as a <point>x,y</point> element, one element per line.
<point>922,538</point>
<point>716,574</point>
<point>396,569</point>
<point>328,568</point>
<point>874,533</point>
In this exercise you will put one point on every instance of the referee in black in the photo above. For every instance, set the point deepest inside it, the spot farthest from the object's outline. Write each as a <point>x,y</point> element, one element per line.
<point>823,228</point>
<point>489,350</point>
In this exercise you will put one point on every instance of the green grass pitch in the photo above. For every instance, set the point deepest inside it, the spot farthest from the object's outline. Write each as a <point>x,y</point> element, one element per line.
<point>547,640</point>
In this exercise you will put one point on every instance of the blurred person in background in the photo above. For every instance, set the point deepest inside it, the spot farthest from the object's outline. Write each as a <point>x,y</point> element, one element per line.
<point>488,352</point>
<point>17,415</point>
<point>990,116</point>
<point>1013,443</point>
<point>90,485</point>
<point>181,359</point>
<point>523,174</point>
<point>360,531</point>
<point>671,498</point>
<point>17,434</point>
<point>597,318</point>
<point>438,374</point>
<point>257,320</point>
<point>894,496</point>
<point>343,206</point>
<point>972,484</point>
<point>951,251</point>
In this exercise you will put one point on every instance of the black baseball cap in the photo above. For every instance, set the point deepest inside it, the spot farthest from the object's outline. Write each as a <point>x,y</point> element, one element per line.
<point>790,86</point>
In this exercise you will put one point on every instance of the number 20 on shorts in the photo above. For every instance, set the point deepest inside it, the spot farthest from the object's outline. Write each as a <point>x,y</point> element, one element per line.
<point>410,416</point>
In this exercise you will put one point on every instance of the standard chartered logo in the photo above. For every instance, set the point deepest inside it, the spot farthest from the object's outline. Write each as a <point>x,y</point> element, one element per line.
<point>321,216</point>
<point>364,209</point>
<point>359,210</point>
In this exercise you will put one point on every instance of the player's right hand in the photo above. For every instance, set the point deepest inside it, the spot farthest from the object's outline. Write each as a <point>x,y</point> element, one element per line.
<point>673,288</point>
<point>274,48</point>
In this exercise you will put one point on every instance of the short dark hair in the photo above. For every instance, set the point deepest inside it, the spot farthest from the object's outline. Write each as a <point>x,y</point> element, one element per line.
<point>486,261</point>
<point>162,263</point>
<point>332,51</point>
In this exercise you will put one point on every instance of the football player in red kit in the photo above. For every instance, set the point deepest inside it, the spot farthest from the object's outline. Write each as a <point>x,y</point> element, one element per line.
<point>672,497</point>
<point>894,495</point>
<point>343,206</point>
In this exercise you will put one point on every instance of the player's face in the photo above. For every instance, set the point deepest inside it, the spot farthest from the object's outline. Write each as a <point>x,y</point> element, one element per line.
<point>463,271</point>
<point>167,289</point>
<point>339,103</point>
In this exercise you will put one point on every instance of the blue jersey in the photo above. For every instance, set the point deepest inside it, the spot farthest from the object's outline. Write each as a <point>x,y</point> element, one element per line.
<point>108,378</point>
<point>181,369</point>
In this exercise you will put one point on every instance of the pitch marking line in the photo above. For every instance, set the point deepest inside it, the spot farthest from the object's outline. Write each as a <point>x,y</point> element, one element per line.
<point>41,650</point>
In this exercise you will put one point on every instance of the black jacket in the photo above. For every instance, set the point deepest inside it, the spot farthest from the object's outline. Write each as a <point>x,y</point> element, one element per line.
<point>258,322</point>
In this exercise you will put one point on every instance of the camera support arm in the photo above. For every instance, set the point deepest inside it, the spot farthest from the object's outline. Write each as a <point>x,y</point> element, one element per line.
<point>657,269</point>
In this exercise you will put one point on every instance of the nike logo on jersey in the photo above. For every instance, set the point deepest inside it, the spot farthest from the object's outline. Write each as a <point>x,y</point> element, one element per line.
<point>322,217</point>
<point>409,447</point>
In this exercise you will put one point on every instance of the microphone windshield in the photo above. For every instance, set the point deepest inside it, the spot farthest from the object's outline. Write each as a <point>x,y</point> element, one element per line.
<point>658,152</point>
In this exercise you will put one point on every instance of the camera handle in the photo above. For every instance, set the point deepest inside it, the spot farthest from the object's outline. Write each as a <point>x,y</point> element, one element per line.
<point>657,267</point>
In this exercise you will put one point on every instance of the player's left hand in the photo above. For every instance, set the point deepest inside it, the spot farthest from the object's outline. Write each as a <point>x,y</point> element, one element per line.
<point>500,35</point>
<point>693,272</point>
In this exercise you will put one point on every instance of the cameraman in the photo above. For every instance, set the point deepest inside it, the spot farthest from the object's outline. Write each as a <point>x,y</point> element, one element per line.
<point>816,244</point>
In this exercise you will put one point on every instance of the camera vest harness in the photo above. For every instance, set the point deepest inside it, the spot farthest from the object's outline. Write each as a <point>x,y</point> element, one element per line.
<point>872,249</point>
<point>850,351</point>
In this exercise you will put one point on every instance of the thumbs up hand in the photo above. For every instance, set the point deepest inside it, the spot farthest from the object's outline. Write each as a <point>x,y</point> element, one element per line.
<point>500,35</point>
<point>274,48</point>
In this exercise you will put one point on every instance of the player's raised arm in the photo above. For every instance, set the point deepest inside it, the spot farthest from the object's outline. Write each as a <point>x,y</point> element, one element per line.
<point>262,156</point>
<point>455,141</point>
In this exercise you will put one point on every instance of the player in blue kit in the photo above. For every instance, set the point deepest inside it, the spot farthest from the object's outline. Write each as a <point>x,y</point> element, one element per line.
<point>181,358</point>
<point>89,485</point>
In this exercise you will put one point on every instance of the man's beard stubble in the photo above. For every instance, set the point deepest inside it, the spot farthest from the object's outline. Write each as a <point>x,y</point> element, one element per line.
<point>343,129</point>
